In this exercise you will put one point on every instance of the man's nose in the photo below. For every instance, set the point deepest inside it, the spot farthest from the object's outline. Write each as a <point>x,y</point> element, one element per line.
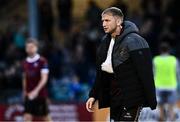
<point>104,24</point>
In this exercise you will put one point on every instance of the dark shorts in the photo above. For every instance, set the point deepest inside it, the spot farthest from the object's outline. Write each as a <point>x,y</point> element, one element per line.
<point>124,114</point>
<point>36,107</point>
<point>166,96</point>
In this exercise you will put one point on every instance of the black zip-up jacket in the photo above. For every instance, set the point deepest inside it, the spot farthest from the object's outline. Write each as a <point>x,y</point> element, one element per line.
<point>132,66</point>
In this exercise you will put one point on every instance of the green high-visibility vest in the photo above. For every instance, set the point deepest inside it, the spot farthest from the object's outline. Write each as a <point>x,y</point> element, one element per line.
<point>165,72</point>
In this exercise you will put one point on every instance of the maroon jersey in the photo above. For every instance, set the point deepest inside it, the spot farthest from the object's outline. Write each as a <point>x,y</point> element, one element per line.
<point>33,67</point>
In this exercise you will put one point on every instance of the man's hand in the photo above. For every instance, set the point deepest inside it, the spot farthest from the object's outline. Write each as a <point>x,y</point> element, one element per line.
<point>33,94</point>
<point>89,104</point>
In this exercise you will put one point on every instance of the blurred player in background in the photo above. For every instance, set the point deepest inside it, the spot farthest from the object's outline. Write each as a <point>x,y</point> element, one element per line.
<point>35,77</point>
<point>166,72</point>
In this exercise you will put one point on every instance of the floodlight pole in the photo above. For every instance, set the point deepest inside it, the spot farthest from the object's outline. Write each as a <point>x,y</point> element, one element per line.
<point>33,18</point>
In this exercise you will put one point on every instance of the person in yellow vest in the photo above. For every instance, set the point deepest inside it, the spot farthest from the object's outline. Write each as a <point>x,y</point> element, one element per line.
<point>166,72</point>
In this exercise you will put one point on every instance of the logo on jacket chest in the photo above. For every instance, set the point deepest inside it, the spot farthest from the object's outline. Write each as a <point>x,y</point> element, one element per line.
<point>123,52</point>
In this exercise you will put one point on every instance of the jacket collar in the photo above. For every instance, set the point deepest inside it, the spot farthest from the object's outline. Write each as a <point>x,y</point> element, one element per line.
<point>33,59</point>
<point>128,27</point>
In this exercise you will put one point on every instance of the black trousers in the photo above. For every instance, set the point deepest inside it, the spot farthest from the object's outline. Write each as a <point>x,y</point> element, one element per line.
<point>124,114</point>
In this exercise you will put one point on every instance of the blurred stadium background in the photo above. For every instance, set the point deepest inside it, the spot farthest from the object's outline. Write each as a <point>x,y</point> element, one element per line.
<point>68,32</point>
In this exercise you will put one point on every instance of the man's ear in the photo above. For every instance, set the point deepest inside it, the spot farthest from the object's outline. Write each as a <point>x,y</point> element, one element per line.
<point>119,22</point>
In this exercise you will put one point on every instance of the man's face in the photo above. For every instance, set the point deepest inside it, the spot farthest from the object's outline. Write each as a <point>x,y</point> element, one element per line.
<point>110,22</point>
<point>31,49</point>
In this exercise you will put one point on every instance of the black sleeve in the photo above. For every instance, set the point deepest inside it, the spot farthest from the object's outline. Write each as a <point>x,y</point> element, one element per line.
<point>94,90</point>
<point>140,55</point>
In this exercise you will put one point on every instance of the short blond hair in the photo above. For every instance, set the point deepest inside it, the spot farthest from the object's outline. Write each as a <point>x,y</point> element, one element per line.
<point>114,11</point>
<point>33,41</point>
